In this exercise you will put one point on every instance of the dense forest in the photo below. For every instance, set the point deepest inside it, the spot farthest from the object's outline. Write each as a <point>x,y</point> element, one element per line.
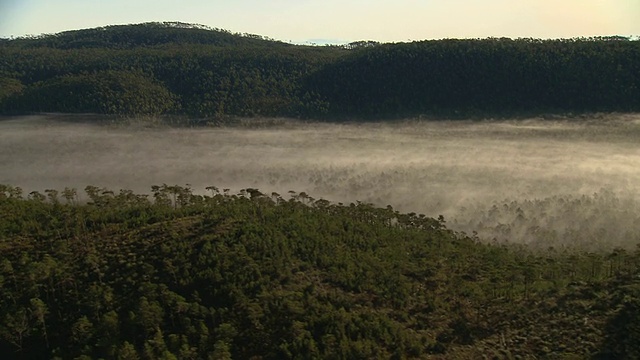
<point>183,69</point>
<point>177,275</point>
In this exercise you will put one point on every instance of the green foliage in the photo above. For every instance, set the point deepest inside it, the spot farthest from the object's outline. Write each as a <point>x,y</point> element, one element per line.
<point>623,330</point>
<point>180,275</point>
<point>176,68</point>
<point>464,78</point>
<point>10,88</point>
<point>142,35</point>
<point>107,92</point>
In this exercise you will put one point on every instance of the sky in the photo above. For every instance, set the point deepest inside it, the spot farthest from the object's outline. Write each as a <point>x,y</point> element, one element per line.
<point>338,21</point>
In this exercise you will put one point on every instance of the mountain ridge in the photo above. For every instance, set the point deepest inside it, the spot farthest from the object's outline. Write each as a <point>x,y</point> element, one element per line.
<point>141,34</point>
<point>212,73</point>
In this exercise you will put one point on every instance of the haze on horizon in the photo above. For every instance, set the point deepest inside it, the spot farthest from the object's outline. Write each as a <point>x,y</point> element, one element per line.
<point>332,21</point>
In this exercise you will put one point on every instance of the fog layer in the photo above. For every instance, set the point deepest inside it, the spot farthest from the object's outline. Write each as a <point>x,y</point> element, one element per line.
<point>459,169</point>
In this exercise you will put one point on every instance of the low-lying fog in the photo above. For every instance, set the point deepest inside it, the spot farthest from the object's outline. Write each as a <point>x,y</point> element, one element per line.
<point>553,182</point>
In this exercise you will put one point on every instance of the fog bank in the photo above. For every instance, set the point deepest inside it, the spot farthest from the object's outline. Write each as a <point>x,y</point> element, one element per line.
<point>460,169</point>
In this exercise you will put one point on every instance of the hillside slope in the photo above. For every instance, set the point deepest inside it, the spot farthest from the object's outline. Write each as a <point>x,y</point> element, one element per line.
<point>212,73</point>
<point>144,34</point>
<point>251,275</point>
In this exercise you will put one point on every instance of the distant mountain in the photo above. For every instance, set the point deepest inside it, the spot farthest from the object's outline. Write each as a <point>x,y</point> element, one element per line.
<point>145,34</point>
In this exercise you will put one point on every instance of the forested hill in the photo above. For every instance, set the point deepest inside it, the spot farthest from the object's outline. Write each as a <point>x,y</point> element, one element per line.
<point>256,276</point>
<point>146,34</point>
<point>176,68</point>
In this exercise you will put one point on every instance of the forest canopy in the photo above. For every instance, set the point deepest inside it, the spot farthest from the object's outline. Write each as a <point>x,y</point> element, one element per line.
<point>173,274</point>
<point>197,71</point>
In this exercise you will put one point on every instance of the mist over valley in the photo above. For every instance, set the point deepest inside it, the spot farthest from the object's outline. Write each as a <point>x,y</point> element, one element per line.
<point>551,182</point>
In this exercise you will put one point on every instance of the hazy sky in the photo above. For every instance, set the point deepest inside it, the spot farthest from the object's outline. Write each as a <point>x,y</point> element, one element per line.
<point>338,20</point>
